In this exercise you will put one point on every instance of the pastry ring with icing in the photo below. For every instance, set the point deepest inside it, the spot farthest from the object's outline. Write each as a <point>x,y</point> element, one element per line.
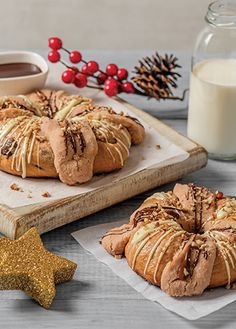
<point>49,133</point>
<point>183,241</point>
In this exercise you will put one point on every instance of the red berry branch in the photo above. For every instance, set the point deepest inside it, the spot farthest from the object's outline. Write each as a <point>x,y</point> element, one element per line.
<point>112,81</point>
<point>156,76</point>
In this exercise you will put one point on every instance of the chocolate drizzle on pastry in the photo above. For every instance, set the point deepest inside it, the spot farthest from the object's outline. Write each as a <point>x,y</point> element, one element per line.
<point>70,140</point>
<point>94,139</point>
<point>9,147</point>
<point>46,102</point>
<point>135,120</point>
<point>183,241</point>
<point>74,137</point>
<point>149,213</point>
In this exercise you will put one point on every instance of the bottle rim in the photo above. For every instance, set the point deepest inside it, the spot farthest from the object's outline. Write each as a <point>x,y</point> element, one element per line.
<point>222,13</point>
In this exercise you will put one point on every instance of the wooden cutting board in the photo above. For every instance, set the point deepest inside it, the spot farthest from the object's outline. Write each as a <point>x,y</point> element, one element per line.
<point>50,215</point>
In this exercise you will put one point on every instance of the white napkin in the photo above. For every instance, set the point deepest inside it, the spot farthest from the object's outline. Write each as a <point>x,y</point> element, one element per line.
<point>191,308</point>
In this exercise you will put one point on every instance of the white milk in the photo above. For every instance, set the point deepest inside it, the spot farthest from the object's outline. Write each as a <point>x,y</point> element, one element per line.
<point>212,106</point>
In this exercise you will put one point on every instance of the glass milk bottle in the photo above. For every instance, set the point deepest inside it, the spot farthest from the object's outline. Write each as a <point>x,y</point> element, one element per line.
<point>212,95</point>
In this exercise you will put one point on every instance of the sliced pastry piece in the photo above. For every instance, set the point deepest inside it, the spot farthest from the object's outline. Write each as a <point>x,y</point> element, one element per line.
<point>115,133</point>
<point>74,148</point>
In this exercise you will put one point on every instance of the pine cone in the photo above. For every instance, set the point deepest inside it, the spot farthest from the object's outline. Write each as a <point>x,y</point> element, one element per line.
<point>155,76</point>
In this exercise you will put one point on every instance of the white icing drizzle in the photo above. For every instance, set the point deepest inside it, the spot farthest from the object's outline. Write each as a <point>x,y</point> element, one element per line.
<point>111,154</point>
<point>232,249</point>
<point>18,139</point>
<point>224,247</point>
<point>108,128</point>
<point>108,149</point>
<point>207,221</point>
<point>227,210</point>
<point>9,126</point>
<point>78,118</point>
<point>38,159</point>
<point>23,155</point>
<point>123,145</point>
<point>31,148</point>
<point>19,159</point>
<point>223,213</point>
<point>27,127</point>
<point>140,247</point>
<point>156,230</point>
<point>124,133</point>
<point>227,251</point>
<point>169,222</point>
<point>14,159</point>
<point>105,128</point>
<point>162,253</point>
<point>154,249</point>
<point>120,155</point>
<point>4,141</point>
<point>35,106</point>
<point>119,140</point>
<point>224,254</point>
<point>21,165</point>
<point>16,150</point>
<point>142,232</point>
<point>67,109</point>
<point>127,136</point>
<point>114,147</point>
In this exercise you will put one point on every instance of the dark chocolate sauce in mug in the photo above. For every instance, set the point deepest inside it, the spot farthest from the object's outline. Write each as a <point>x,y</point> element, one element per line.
<point>12,70</point>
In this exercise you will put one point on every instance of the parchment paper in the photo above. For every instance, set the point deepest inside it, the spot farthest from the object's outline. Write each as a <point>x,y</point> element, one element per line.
<point>191,308</point>
<point>143,156</point>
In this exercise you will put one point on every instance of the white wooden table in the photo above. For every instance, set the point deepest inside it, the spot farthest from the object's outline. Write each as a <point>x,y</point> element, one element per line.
<point>97,298</point>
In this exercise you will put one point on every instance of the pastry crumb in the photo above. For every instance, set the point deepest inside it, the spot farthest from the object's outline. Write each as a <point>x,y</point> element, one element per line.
<point>143,158</point>
<point>46,194</point>
<point>29,196</point>
<point>158,146</point>
<point>16,187</point>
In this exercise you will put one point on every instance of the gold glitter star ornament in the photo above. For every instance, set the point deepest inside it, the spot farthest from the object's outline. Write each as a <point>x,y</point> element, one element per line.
<point>26,265</point>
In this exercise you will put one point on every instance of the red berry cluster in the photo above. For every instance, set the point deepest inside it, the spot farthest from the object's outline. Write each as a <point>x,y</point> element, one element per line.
<point>112,81</point>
